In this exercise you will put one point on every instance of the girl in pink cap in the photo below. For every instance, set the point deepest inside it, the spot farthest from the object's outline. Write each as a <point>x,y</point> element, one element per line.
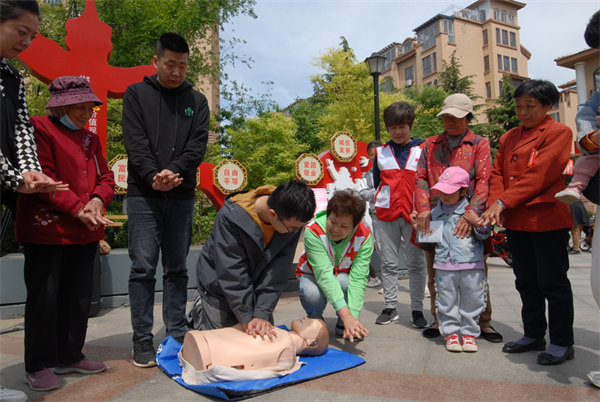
<point>458,263</point>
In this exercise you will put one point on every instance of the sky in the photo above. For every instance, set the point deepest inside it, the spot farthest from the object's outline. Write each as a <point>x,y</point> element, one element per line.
<point>288,35</point>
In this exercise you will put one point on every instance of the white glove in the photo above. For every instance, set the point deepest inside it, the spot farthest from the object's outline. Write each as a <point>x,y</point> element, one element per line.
<point>363,161</point>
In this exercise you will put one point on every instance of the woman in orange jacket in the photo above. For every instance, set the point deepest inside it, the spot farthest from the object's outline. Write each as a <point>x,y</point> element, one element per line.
<point>528,171</point>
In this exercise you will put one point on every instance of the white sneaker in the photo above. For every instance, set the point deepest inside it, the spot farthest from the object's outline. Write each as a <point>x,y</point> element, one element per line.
<point>12,395</point>
<point>469,344</point>
<point>453,344</point>
<point>594,378</point>
<point>568,196</point>
<point>373,282</point>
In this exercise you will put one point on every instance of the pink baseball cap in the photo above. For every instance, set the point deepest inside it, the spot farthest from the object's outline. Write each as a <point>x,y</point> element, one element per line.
<point>452,179</point>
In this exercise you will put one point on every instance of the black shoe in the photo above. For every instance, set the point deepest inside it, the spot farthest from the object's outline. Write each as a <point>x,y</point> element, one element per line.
<point>387,316</point>
<point>574,252</point>
<point>431,332</point>
<point>546,359</point>
<point>493,337</point>
<point>513,347</point>
<point>418,321</point>
<point>144,354</point>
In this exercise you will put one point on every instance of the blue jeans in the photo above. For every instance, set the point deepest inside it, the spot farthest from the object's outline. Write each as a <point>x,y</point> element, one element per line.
<point>313,299</point>
<point>158,225</point>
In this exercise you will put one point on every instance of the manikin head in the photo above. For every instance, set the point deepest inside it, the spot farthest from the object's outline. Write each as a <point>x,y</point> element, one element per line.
<point>315,333</point>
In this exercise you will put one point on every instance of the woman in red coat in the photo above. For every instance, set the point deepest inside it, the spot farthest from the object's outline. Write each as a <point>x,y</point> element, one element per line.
<point>528,171</point>
<point>60,233</point>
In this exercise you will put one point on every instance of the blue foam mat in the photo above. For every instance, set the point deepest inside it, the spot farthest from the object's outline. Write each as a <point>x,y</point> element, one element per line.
<point>316,366</point>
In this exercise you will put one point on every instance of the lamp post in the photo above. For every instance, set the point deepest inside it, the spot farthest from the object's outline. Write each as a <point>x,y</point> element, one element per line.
<point>375,63</point>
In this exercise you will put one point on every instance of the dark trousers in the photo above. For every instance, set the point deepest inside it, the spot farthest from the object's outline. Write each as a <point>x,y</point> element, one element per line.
<point>158,225</point>
<point>540,264</point>
<point>58,279</point>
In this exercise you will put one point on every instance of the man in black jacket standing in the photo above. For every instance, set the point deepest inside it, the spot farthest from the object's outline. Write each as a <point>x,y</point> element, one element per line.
<point>165,131</point>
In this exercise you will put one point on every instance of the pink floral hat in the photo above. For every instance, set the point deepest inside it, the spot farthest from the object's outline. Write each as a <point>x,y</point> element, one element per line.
<point>70,90</point>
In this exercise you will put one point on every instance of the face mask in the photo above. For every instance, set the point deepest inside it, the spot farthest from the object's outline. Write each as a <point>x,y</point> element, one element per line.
<point>66,121</point>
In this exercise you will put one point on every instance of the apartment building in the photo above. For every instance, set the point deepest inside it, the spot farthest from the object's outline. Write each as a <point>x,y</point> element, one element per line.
<point>485,37</point>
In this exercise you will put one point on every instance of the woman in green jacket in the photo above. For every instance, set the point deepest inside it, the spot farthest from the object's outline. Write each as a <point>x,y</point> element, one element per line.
<point>335,264</point>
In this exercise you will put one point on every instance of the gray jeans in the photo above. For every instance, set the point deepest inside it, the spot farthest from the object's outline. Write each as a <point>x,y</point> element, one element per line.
<point>461,298</point>
<point>391,239</point>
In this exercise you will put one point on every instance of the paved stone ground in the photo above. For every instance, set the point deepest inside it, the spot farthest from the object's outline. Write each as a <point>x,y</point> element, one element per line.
<point>400,363</point>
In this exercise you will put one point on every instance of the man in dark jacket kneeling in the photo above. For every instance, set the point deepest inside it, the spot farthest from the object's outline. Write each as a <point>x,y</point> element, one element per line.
<point>244,265</point>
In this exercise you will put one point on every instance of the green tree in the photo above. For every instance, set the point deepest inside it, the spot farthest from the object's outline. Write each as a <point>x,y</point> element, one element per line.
<point>451,80</point>
<point>428,101</point>
<point>267,147</point>
<point>347,90</point>
<point>501,117</point>
<point>136,24</point>
<point>307,114</point>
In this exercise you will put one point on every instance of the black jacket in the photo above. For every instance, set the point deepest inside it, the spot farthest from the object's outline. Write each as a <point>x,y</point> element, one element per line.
<point>163,129</point>
<point>236,272</point>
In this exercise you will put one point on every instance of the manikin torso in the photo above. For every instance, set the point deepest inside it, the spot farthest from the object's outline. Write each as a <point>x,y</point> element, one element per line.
<point>232,347</point>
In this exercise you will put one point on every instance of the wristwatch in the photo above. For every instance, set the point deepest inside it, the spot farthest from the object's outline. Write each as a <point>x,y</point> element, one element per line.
<point>587,144</point>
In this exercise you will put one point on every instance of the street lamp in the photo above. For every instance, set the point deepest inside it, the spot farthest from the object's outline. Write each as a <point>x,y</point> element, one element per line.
<point>375,63</point>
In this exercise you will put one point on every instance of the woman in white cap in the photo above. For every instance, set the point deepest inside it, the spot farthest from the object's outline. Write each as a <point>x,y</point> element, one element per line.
<point>456,146</point>
<point>60,234</point>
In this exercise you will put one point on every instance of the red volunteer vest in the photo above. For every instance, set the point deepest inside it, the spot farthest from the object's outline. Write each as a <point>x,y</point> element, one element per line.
<point>394,196</point>
<point>358,239</point>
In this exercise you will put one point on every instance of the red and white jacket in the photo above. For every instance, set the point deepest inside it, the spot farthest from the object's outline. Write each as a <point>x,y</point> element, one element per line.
<point>345,264</point>
<point>394,196</point>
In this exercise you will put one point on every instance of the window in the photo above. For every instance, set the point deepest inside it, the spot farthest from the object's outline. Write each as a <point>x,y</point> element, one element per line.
<point>513,39</point>
<point>409,73</point>
<point>387,85</point>
<point>449,29</point>
<point>408,46</point>
<point>435,82</point>
<point>511,18</point>
<point>429,65</point>
<point>488,90</point>
<point>426,36</point>
<point>500,85</point>
<point>485,37</point>
<point>499,62</point>
<point>486,64</point>
<point>481,15</point>
<point>506,63</point>
<point>389,55</point>
<point>505,37</point>
<point>514,65</point>
<point>597,80</point>
<point>496,14</point>
<point>503,16</point>
<point>498,40</point>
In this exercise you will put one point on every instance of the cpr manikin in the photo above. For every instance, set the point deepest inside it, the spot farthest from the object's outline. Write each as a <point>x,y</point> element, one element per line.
<point>229,354</point>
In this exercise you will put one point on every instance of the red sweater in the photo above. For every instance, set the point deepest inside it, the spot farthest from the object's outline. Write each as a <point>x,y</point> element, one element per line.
<point>528,171</point>
<point>73,157</point>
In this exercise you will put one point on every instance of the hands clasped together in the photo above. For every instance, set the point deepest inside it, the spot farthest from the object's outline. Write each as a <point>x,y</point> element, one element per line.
<point>92,214</point>
<point>166,180</point>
